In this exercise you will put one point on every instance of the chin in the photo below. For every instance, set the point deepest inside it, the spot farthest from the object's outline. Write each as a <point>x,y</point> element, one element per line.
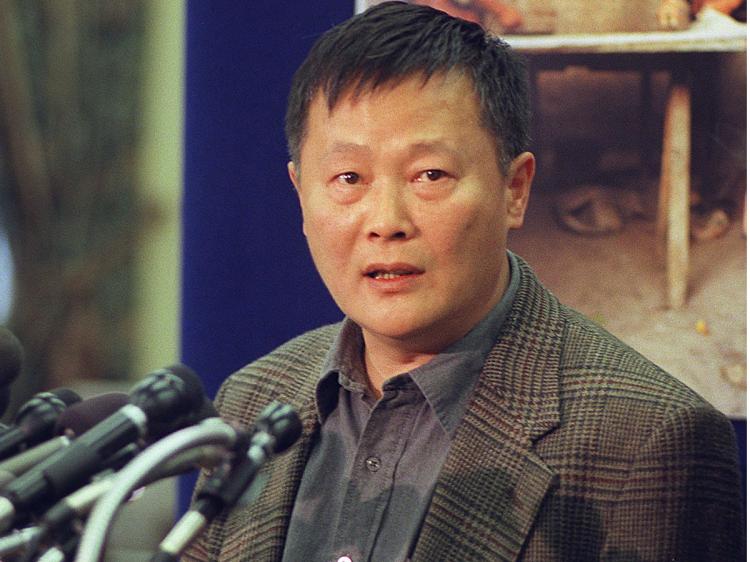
<point>402,330</point>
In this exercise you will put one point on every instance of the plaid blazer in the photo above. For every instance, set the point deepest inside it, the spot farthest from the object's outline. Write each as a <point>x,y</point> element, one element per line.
<point>573,448</point>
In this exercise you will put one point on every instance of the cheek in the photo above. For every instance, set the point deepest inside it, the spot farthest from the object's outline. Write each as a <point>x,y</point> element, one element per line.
<point>465,233</point>
<point>330,234</point>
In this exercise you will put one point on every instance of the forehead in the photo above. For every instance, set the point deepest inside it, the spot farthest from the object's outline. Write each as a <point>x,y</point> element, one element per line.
<point>446,104</point>
<point>372,84</point>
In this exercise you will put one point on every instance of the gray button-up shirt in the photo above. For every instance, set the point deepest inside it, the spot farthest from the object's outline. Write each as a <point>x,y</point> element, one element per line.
<point>374,465</point>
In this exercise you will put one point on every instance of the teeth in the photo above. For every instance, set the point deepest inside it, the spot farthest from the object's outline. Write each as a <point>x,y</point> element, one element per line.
<point>388,274</point>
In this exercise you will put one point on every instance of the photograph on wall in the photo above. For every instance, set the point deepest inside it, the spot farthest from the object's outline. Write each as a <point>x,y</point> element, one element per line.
<point>516,17</point>
<point>495,15</point>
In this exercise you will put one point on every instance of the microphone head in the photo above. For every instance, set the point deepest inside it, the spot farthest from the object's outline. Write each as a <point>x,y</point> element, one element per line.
<point>66,396</point>
<point>81,417</point>
<point>207,410</point>
<point>4,399</point>
<point>37,417</point>
<point>171,398</point>
<point>282,423</point>
<point>43,404</point>
<point>11,356</point>
<point>11,362</point>
<point>195,394</point>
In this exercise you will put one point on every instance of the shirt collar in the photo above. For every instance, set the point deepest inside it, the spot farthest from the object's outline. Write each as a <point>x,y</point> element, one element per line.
<point>446,381</point>
<point>343,367</point>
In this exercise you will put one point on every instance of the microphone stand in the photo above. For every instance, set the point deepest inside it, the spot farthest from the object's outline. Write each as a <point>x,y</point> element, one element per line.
<point>60,520</point>
<point>277,428</point>
<point>18,540</point>
<point>211,431</point>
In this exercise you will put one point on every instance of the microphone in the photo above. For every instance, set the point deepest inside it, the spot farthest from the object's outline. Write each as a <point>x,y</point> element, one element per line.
<point>278,427</point>
<point>36,419</point>
<point>11,361</point>
<point>13,467</point>
<point>63,512</point>
<point>164,401</point>
<point>211,431</point>
<point>80,417</point>
<point>74,420</point>
<point>80,502</point>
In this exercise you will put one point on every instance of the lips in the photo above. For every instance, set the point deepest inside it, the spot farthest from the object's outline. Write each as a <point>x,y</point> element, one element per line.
<point>390,272</point>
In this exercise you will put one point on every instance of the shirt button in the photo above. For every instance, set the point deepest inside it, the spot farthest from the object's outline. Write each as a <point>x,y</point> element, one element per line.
<point>373,464</point>
<point>344,559</point>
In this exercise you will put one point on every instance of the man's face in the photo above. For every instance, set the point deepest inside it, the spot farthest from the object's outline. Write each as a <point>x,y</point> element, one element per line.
<point>406,211</point>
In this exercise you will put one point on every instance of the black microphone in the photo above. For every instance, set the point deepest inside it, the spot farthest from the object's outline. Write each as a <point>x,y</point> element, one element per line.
<point>166,400</point>
<point>278,427</point>
<point>73,421</point>
<point>80,417</point>
<point>11,361</point>
<point>77,505</point>
<point>80,502</point>
<point>35,420</point>
<point>12,468</point>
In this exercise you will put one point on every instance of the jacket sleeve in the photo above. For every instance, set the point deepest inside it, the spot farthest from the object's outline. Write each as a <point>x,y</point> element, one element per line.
<point>682,499</point>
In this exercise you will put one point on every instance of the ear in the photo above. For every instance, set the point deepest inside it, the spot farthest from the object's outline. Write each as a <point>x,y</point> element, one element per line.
<point>292,170</point>
<point>520,176</point>
<point>294,176</point>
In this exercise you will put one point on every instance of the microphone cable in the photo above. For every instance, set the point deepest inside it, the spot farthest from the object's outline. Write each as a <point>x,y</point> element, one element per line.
<point>212,431</point>
<point>277,428</point>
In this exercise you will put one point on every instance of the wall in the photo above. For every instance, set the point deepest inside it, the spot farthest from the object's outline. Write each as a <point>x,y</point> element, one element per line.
<point>160,179</point>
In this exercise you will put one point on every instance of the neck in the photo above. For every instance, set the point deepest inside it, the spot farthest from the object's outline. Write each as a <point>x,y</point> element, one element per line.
<point>383,361</point>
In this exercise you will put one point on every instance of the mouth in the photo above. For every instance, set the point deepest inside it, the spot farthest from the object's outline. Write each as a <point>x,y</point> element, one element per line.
<point>391,272</point>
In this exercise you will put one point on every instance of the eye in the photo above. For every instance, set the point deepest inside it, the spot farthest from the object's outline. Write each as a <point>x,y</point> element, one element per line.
<point>349,178</point>
<point>431,175</point>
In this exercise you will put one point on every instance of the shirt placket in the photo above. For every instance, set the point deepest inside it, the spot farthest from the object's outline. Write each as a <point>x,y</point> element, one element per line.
<point>381,446</point>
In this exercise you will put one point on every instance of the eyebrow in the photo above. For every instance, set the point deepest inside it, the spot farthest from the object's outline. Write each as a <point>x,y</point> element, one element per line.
<point>345,148</point>
<point>416,149</point>
<point>426,147</point>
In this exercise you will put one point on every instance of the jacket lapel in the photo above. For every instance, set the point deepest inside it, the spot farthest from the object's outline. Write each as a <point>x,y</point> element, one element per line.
<point>257,532</point>
<point>492,483</point>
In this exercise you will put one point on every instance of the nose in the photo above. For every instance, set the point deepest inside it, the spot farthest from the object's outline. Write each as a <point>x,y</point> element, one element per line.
<point>389,217</point>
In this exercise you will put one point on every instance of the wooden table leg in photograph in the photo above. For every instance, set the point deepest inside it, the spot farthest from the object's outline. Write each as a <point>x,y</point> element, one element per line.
<point>677,52</point>
<point>674,192</point>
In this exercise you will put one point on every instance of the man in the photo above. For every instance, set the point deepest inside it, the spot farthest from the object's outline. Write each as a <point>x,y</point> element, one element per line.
<point>459,412</point>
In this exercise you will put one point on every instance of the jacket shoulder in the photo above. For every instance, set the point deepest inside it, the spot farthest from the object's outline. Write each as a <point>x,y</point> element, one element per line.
<point>648,442</point>
<point>288,374</point>
<point>592,354</point>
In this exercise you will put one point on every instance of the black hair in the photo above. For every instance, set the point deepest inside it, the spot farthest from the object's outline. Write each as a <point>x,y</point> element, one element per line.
<point>393,41</point>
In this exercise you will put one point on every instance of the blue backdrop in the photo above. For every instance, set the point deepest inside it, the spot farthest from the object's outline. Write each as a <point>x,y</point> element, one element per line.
<point>248,281</point>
